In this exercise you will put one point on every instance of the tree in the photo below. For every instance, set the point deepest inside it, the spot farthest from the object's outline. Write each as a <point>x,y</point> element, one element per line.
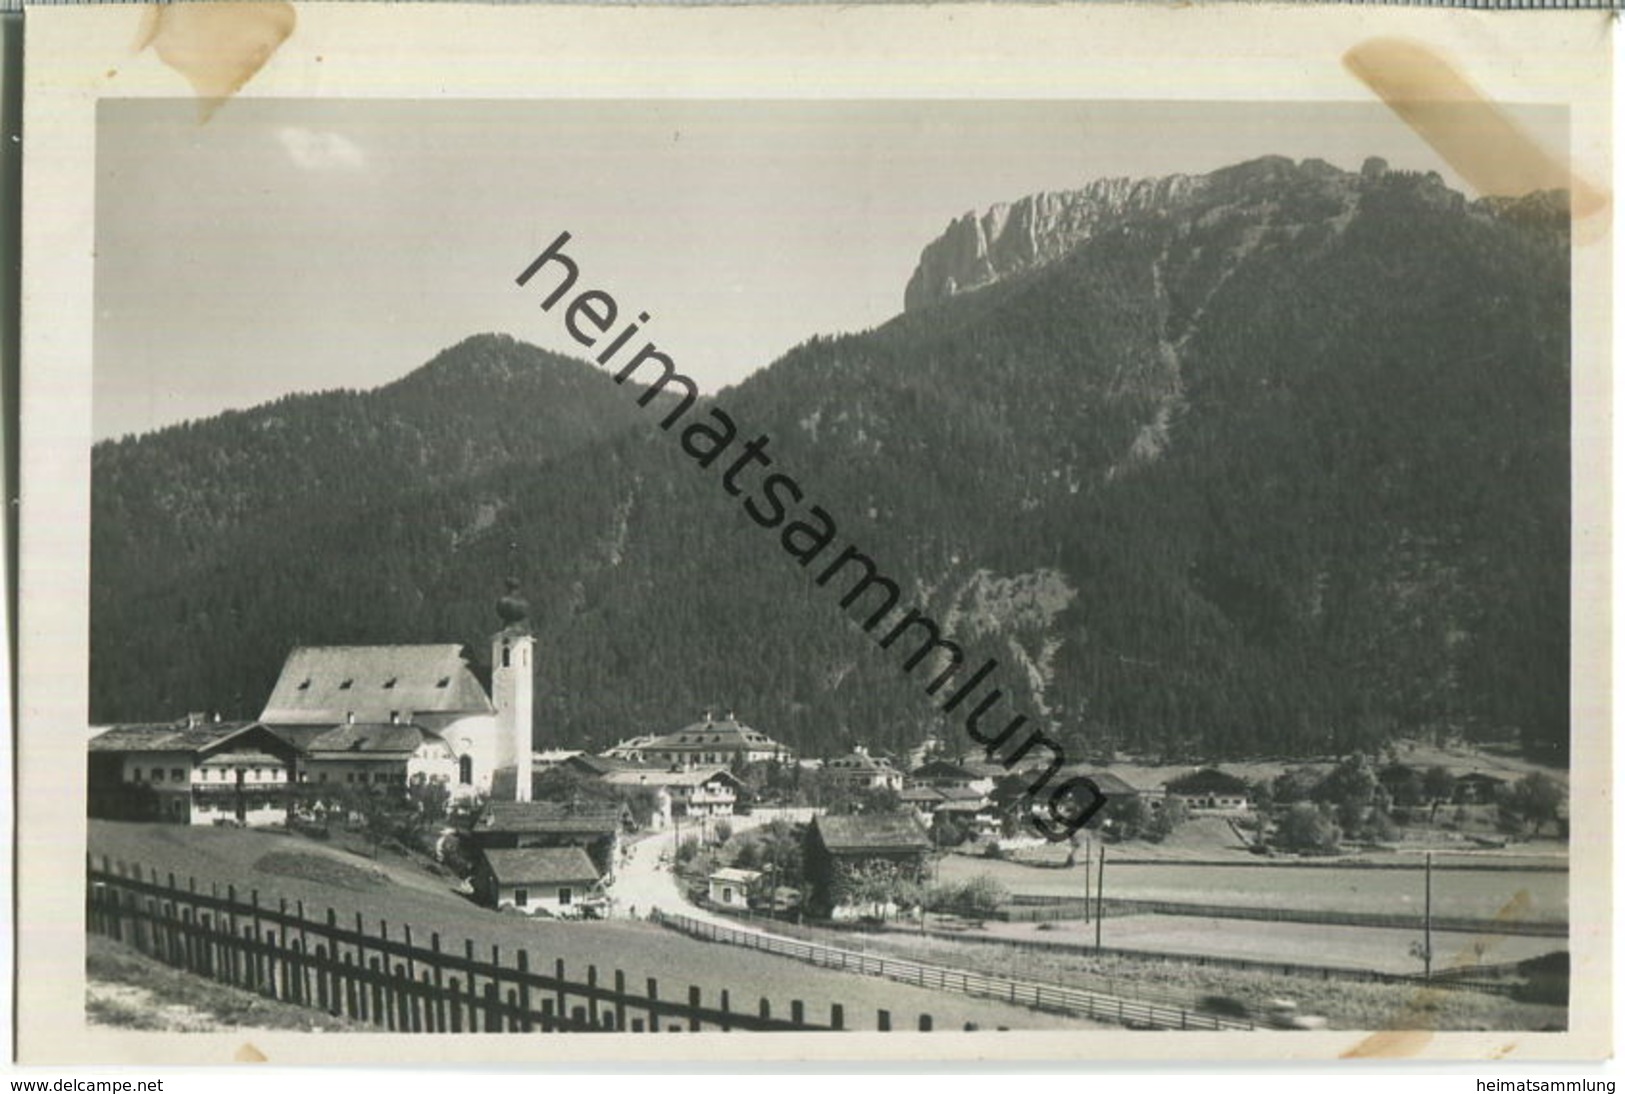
<point>974,898</point>
<point>1351,783</point>
<point>1307,827</point>
<point>1535,799</point>
<point>1296,784</point>
<point>1438,785</point>
<point>1406,785</point>
<point>876,884</point>
<point>1127,817</point>
<point>1173,813</point>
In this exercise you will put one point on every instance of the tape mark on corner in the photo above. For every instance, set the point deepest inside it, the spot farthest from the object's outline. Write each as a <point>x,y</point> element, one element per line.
<point>217,47</point>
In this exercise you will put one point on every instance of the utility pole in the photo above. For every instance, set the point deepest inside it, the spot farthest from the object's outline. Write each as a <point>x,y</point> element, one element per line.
<point>1427,917</point>
<point>1100,895</point>
<point>1088,863</point>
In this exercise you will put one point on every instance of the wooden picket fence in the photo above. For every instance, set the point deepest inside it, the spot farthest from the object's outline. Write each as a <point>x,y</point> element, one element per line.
<point>391,982</point>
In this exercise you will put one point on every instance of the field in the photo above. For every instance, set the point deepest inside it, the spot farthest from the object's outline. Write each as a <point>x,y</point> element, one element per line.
<point>1377,948</point>
<point>399,893</point>
<point>1535,896</point>
<point>1346,1004</point>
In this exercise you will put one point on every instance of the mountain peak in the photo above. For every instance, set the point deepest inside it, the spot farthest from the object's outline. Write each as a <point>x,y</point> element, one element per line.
<point>1010,238</point>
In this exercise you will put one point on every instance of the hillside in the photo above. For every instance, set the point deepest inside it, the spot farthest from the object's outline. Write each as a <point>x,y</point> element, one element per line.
<point>1274,460</point>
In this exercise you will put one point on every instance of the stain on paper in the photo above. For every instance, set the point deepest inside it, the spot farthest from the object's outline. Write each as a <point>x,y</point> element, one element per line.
<point>1475,136</point>
<point>247,1054</point>
<point>1410,1034</point>
<point>217,47</point>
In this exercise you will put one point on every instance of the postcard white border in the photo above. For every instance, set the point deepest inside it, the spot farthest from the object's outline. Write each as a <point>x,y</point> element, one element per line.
<point>76,56</point>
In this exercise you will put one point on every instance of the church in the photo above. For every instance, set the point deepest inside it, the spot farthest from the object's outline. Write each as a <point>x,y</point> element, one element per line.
<point>411,713</point>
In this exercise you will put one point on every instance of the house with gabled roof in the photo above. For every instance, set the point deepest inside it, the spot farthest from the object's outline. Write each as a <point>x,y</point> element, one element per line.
<point>592,825</point>
<point>973,774</point>
<point>559,881</point>
<point>191,772</point>
<point>705,743</point>
<point>378,754</point>
<point>689,792</point>
<point>841,853</point>
<point>1211,790</point>
<point>859,768</point>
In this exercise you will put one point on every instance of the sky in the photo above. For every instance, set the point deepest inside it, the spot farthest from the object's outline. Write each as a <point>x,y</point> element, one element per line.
<point>302,244</point>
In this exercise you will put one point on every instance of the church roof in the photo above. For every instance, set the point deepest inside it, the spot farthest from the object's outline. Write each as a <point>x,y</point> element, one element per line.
<point>327,683</point>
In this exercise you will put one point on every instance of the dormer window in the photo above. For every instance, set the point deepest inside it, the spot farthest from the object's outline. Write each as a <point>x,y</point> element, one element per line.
<point>305,686</point>
<point>444,681</point>
<point>345,685</point>
<point>390,682</point>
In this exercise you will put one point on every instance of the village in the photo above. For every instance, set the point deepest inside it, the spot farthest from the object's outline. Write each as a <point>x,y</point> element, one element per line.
<point>1285,895</point>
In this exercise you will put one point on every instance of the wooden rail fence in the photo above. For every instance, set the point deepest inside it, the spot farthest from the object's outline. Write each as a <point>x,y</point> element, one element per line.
<point>392,982</point>
<point>1032,908</point>
<point>1052,997</point>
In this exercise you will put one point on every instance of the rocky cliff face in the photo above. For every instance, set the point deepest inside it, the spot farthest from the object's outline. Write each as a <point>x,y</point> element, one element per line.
<point>978,250</point>
<point>1009,239</point>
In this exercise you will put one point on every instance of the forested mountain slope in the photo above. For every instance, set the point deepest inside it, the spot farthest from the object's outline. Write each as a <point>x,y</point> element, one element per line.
<point>1270,460</point>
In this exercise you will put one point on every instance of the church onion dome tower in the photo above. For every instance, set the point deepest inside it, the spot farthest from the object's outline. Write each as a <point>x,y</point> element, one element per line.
<point>514,610</point>
<point>513,687</point>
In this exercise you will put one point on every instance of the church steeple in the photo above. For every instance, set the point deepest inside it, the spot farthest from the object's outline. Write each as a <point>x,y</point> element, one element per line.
<point>513,687</point>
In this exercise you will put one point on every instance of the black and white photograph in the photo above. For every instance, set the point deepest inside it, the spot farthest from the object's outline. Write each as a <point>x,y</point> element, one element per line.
<point>916,564</point>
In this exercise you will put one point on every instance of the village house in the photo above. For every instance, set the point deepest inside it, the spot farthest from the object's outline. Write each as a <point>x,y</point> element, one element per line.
<point>593,826</point>
<point>191,772</point>
<point>730,887</point>
<point>1477,788</point>
<point>840,852</point>
<point>858,768</point>
<point>703,744</point>
<point>974,775</point>
<point>1210,790</point>
<point>691,792</point>
<point>371,754</point>
<point>924,800</point>
<point>559,881</point>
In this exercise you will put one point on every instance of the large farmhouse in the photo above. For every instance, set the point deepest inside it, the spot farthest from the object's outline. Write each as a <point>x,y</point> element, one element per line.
<point>191,772</point>
<point>710,742</point>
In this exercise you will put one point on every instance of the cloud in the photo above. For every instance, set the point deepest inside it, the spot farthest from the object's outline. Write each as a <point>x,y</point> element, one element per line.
<point>318,151</point>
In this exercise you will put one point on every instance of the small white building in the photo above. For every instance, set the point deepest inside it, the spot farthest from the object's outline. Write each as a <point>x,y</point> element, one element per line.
<point>559,881</point>
<point>730,887</point>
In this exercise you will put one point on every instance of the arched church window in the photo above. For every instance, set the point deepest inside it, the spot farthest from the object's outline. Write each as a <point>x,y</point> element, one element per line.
<point>465,770</point>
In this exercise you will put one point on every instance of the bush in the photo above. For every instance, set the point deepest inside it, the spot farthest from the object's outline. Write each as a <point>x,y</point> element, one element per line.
<point>724,832</point>
<point>688,850</point>
<point>974,898</point>
<point>1306,827</point>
